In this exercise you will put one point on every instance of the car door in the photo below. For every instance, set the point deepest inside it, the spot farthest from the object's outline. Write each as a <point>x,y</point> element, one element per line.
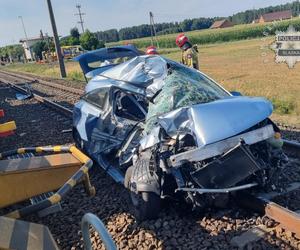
<point>129,112</point>
<point>92,107</point>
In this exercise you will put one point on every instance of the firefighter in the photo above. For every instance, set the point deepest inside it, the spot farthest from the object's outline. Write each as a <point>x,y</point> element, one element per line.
<point>189,52</point>
<point>151,50</point>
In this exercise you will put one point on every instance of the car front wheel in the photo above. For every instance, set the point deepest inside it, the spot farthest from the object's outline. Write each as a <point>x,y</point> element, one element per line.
<point>146,205</point>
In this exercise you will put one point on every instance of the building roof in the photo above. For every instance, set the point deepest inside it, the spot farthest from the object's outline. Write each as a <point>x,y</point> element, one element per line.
<point>218,24</point>
<point>269,17</point>
<point>34,38</point>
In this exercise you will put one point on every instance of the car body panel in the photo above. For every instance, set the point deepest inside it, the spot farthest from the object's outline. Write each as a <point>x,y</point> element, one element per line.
<point>85,116</point>
<point>218,120</point>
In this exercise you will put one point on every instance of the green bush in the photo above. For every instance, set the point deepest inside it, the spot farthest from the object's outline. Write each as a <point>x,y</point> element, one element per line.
<point>89,41</point>
<point>283,107</point>
<point>76,76</point>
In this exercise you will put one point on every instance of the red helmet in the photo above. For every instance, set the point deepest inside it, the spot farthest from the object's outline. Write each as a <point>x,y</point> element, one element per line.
<point>181,39</point>
<point>151,50</point>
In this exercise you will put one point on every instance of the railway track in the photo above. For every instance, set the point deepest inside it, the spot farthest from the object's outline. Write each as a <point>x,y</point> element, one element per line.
<point>61,99</point>
<point>43,82</point>
<point>292,147</point>
<point>46,101</point>
<point>286,219</point>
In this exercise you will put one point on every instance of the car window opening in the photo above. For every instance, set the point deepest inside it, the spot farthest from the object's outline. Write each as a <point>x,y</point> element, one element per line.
<point>128,107</point>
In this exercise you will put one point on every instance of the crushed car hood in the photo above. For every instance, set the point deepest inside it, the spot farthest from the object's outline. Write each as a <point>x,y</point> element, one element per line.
<point>218,120</point>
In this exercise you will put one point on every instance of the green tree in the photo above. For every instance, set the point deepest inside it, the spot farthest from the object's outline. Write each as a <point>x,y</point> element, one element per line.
<point>15,51</point>
<point>89,41</point>
<point>73,41</point>
<point>74,33</point>
<point>4,52</point>
<point>186,25</point>
<point>38,48</point>
<point>67,41</point>
<point>107,36</point>
<point>51,45</point>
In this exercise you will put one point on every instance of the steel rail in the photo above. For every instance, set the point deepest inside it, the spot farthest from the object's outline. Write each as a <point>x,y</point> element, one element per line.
<point>287,219</point>
<point>43,82</point>
<point>65,111</point>
<point>292,147</point>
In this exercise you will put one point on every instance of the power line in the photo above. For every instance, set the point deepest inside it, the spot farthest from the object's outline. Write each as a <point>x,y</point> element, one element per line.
<point>21,18</point>
<point>80,14</point>
<point>153,30</point>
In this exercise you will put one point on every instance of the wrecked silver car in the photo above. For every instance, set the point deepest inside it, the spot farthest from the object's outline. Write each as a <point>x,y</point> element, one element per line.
<point>168,131</point>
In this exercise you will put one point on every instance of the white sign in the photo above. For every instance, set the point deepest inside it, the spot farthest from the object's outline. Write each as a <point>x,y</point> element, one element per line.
<point>287,46</point>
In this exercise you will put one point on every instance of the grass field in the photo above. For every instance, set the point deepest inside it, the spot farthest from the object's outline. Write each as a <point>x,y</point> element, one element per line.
<point>241,65</point>
<point>206,36</point>
<point>49,70</point>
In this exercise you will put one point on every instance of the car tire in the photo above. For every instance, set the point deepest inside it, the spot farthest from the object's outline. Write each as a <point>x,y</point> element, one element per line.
<point>146,205</point>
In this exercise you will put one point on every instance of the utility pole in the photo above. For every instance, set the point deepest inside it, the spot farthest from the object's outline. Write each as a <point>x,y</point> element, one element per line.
<point>153,30</point>
<point>80,14</point>
<point>56,41</point>
<point>26,38</point>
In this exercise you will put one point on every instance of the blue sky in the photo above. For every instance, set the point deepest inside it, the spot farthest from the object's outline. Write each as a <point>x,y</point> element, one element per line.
<point>106,14</point>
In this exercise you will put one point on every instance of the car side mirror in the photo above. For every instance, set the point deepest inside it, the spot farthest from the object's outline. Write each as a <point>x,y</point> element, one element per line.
<point>236,93</point>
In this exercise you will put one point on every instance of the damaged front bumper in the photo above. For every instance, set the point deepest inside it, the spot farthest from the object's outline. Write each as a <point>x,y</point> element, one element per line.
<point>228,172</point>
<point>221,147</point>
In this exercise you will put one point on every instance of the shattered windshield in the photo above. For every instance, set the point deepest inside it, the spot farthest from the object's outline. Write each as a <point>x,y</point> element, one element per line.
<point>182,87</point>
